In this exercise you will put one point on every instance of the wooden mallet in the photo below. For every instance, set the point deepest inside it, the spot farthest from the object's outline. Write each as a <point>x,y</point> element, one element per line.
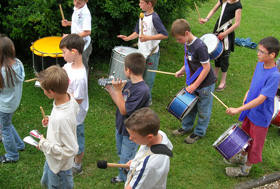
<point>62,15</point>
<point>34,79</point>
<point>197,10</point>
<point>43,113</point>
<point>219,100</point>
<point>141,17</point>
<point>104,165</point>
<point>156,71</point>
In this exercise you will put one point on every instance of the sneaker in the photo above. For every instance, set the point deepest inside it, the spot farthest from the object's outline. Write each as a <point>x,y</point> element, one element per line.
<point>3,159</point>
<point>236,171</point>
<point>236,160</point>
<point>116,180</point>
<point>77,171</point>
<point>192,138</point>
<point>179,132</point>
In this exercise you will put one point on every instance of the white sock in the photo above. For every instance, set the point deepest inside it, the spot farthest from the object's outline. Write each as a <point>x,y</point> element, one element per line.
<point>246,169</point>
<point>77,165</point>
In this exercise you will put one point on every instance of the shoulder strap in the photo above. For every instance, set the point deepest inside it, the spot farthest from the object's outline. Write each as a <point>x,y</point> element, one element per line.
<point>222,13</point>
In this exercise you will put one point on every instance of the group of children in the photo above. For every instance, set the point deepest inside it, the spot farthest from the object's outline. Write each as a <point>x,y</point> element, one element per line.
<point>135,123</point>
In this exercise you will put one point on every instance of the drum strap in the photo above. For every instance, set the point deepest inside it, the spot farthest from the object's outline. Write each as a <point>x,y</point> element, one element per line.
<point>254,94</point>
<point>190,78</point>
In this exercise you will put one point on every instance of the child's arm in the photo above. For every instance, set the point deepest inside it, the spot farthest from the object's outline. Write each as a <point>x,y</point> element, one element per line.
<point>210,14</point>
<point>144,38</point>
<point>206,68</point>
<point>131,37</point>
<point>66,23</point>
<point>181,72</point>
<point>128,187</point>
<point>252,104</point>
<point>84,33</point>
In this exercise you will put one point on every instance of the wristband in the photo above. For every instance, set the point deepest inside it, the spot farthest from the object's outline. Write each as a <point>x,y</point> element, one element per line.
<point>207,19</point>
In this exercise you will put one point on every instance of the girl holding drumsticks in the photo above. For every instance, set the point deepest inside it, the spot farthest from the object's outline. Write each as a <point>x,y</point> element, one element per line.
<point>224,29</point>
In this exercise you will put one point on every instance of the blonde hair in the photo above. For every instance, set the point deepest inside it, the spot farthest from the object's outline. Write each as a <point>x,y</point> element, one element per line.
<point>179,27</point>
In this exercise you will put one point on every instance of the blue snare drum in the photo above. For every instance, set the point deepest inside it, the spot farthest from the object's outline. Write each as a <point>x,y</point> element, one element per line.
<point>214,45</point>
<point>232,141</point>
<point>182,104</point>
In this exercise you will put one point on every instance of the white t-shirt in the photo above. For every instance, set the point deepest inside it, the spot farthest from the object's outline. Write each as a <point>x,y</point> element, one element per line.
<point>151,171</point>
<point>81,21</point>
<point>78,86</point>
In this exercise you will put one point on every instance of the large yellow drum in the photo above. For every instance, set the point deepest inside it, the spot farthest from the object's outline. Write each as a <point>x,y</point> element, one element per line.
<point>46,52</point>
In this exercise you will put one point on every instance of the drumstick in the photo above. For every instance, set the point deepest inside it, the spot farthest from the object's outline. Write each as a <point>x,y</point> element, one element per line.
<point>43,113</point>
<point>141,16</point>
<point>168,73</point>
<point>197,10</point>
<point>219,100</point>
<point>62,15</point>
<point>34,79</point>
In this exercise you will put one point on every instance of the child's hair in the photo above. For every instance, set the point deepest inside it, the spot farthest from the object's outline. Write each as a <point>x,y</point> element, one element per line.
<point>153,2</point>
<point>179,27</point>
<point>7,55</point>
<point>72,41</point>
<point>271,44</point>
<point>143,121</point>
<point>136,62</point>
<point>54,78</point>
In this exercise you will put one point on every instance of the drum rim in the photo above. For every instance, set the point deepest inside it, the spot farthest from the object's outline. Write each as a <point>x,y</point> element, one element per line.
<point>225,135</point>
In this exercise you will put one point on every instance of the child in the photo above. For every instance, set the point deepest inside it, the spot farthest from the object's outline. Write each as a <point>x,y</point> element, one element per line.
<point>128,97</point>
<point>81,25</point>
<point>257,107</point>
<point>200,80</point>
<point>72,48</point>
<point>225,31</point>
<point>151,171</point>
<point>11,79</point>
<point>60,146</point>
<point>148,42</point>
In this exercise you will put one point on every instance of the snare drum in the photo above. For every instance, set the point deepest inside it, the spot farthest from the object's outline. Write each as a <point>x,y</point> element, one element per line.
<point>117,61</point>
<point>232,141</point>
<point>46,52</point>
<point>214,45</point>
<point>182,104</point>
<point>276,114</point>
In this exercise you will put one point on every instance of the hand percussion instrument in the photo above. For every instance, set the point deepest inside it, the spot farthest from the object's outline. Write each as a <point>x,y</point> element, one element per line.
<point>46,52</point>
<point>276,114</point>
<point>182,104</point>
<point>214,45</point>
<point>117,61</point>
<point>232,141</point>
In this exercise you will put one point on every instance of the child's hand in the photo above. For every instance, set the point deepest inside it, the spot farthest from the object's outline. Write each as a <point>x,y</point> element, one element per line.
<point>129,163</point>
<point>202,20</point>
<point>144,38</point>
<point>118,84</point>
<point>64,23</point>
<point>45,121</point>
<point>221,36</point>
<point>123,37</point>
<point>232,111</point>
<point>179,74</point>
<point>191,88</point>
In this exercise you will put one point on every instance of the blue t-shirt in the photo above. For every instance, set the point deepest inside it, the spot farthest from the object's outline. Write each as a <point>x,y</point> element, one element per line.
<point>269,78</point>
<point>136,96</point>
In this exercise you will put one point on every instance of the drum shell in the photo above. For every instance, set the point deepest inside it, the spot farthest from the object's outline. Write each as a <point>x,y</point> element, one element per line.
<point>214,45</point>
<point>41,63</point>
<point>276,114</point>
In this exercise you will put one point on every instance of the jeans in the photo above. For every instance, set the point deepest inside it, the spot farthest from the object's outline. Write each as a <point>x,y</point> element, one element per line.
<point>203,108</point>
<point>126,150</point>
<point>149,77</point>
<point>11,140</point>
<point>81,137</point>
<point>63,179</point>
<point>85,57</point>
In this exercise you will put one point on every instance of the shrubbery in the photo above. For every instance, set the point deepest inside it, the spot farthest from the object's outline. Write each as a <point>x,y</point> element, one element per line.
<point>25,21</point>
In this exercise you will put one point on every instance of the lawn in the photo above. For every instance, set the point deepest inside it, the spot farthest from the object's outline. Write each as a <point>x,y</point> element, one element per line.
<point>193,166</point>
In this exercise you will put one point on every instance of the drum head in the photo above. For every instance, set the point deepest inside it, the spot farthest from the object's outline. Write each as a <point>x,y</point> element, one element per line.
<point>124,50</point>
<point>211,41</point>
<point>47,46</point>
<point>224,135</point>
<point>276,107</point>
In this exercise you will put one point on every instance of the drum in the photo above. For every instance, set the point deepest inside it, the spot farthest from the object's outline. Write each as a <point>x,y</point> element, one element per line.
<point>214,45</point>
<point>46,52</point>
<point>232,141</point>
<point>276,114</point>
<point>182,104</point>
<point>117,61</point>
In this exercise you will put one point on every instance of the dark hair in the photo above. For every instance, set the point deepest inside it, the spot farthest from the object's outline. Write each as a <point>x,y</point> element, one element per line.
<point>7,55</point>
<point>73,41</point>
<point>143,121</point>
<point>136,62</point>
<point>153,2</point>
<point>271,44</point>
<point>54,78</point>
<point>179,27</point>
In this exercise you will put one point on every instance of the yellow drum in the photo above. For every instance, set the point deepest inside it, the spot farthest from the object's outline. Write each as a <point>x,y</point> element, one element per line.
<point>46,52</point>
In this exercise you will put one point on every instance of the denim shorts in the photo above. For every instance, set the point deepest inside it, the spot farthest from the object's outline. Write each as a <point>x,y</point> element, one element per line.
<point>81,137</point>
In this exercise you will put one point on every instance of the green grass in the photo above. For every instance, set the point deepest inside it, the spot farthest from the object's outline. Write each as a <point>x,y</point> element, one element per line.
<point>193,166</point>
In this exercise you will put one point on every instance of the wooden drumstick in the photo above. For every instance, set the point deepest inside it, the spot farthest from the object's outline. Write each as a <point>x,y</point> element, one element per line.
<point>219,100</point>
<point>141,17</point>
<point>62,15</point>
<point>197,10</point>
<point>34,79</point>
<point>43,113</point>
<point>168,73</point>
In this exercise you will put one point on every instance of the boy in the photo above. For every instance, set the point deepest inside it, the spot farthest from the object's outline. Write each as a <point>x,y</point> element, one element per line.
<point>81,25</point>
<point>128,97</point>
<point>200,80</point>
<point>148,41</point>
<point>60,146</point>
<point>72,48</point>
<point>151,171</point>
<point>257,107</point>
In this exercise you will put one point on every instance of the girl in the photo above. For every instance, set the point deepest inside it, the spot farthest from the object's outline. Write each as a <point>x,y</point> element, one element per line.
<point>225,31</point>
<point>11,79</point>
